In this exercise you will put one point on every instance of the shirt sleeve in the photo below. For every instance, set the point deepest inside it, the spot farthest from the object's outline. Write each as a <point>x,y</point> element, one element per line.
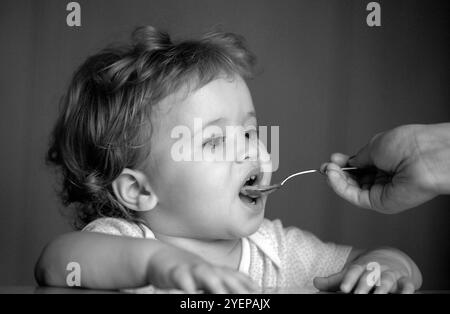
<point>119,227</point>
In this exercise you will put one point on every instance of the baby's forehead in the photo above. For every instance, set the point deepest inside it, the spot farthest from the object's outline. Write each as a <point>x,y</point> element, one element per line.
<point>178,108</point>
<point>172,115</point>
<point>224,99</point>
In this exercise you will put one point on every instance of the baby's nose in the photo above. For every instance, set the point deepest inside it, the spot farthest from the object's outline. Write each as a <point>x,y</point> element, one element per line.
<point>264,158</point>
<point>247,150</point>
<point>255,151</point>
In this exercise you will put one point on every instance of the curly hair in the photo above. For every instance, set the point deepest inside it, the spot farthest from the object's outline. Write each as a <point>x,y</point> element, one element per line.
<point>105,116</point>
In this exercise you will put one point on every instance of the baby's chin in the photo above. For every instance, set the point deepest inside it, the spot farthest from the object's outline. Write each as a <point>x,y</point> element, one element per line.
<point>245,228</point>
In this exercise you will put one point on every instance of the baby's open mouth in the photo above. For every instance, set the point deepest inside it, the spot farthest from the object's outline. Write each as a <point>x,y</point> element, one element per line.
<point>254,177</point>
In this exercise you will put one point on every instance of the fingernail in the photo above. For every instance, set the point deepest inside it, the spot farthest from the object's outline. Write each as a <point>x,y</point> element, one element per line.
<point>323,168</point>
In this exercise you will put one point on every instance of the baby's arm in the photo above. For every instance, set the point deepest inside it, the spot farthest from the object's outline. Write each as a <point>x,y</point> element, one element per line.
<point>398,273</point>
<point>117,262</point>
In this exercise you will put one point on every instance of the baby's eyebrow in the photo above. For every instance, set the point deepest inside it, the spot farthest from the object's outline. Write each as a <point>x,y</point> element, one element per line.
<point>215,121</point>
<point>248,115</point>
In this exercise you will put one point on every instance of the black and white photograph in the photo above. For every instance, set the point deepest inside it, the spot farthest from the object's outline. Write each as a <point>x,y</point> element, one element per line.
<point>245,148</point>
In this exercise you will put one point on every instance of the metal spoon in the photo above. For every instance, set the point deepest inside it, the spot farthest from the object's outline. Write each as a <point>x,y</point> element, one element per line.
<point>258,190</point>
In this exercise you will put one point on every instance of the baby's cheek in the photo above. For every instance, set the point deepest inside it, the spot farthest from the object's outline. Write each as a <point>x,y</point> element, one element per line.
<point>199,186</point>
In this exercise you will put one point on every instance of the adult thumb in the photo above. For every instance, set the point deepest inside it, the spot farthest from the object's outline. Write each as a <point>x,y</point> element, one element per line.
<point>363,158</point>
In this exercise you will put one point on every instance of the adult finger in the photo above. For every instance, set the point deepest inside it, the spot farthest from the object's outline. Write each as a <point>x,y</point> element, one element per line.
<point>339,159</point>
<point>346,187</point>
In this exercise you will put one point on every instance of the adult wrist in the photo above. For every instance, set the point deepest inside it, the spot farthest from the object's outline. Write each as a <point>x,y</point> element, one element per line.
<point>433,142</point>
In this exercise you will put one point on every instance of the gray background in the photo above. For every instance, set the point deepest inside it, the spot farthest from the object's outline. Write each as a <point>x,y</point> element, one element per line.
<point>329,81</point>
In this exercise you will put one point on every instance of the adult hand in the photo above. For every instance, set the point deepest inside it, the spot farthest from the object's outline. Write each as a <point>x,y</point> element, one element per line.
<point>409,166</point>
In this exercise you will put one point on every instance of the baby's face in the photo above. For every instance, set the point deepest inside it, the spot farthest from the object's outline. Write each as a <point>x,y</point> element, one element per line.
<point>201,198</point>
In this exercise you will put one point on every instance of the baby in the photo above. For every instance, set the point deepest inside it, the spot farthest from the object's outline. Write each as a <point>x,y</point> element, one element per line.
<point>152,219</point>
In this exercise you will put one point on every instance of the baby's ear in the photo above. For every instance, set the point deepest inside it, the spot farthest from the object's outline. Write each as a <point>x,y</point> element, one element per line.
<point>132,189</point>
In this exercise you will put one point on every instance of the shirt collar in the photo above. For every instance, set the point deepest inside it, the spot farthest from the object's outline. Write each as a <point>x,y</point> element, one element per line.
<point>267,245</point>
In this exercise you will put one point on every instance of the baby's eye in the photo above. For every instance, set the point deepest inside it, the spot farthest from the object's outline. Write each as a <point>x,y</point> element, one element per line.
<point>214,141</point>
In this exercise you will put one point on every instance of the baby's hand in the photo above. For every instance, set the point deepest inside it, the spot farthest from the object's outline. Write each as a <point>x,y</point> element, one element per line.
<point>174,268</point>
<point>363,276</point>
